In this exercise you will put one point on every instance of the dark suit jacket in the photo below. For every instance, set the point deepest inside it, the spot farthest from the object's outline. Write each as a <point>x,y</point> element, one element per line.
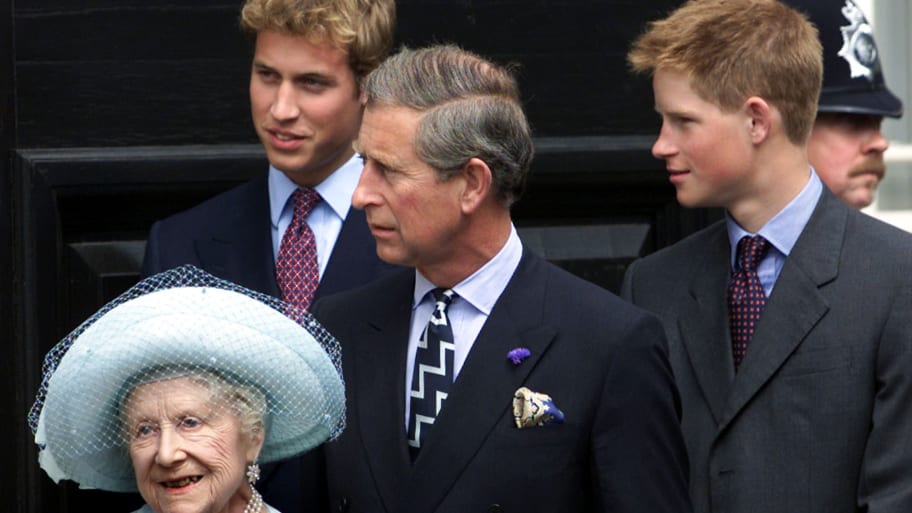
<point>229,236</point>
<point>819,416</point>
<point>603,362</point>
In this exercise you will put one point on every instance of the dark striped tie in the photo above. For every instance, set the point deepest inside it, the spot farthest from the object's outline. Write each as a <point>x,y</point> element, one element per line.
<point>433,372</point>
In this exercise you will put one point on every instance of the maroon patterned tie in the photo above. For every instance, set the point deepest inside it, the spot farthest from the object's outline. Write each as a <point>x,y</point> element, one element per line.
<point>746,298</point>
<point>297,271</point>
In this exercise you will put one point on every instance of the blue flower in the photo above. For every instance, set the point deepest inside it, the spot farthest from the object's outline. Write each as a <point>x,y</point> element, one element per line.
<point>518,354</point>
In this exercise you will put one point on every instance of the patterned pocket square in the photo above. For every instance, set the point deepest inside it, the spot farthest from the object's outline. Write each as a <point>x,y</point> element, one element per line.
<point>534,409</point>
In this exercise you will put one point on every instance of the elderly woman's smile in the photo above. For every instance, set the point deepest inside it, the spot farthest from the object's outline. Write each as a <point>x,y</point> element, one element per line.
<point>182,482</point>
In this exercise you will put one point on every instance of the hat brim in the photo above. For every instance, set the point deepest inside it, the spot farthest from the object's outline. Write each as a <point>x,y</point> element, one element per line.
<point>206,328</point>
<point>879,102</point>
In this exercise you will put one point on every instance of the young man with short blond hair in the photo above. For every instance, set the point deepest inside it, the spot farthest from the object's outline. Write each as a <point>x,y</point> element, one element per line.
<point>788,321</point>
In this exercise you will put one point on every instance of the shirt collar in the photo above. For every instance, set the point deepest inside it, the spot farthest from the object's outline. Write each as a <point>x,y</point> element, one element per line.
<point>484,286</point>
<point>336,190</point>
<point>783,230</point>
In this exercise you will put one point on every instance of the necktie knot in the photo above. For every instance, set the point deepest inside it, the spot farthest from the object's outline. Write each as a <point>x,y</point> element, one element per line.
<point>443,297</point>
<point>304,200</point>
<point>751,251</point>
<point>442,300</point>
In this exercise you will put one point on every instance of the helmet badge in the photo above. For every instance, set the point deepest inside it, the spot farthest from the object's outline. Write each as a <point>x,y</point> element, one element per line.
<point>858,47</point>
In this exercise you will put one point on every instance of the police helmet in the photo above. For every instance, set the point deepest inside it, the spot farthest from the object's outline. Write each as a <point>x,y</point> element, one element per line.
<point>853,81</point>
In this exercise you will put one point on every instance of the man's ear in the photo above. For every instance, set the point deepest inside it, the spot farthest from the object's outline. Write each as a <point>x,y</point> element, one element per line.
<point>478,184</point>
<point>760,114</point>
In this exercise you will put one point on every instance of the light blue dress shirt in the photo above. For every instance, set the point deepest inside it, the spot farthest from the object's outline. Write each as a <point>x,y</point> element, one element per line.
<point>468,313</point>
<point>326,219</point>
<point>782,231</point>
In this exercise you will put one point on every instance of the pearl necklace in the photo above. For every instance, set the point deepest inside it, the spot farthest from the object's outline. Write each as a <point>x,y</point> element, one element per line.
<point>256,502</point>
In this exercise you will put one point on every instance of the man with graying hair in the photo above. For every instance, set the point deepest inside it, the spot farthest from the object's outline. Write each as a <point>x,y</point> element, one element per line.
<point>484,378</point>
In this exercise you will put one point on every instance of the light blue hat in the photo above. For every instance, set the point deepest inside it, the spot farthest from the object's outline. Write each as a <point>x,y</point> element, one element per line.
<point>242,336</point>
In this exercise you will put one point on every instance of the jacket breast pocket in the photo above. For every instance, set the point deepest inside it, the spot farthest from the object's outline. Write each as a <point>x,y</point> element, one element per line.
<point>815,361</point>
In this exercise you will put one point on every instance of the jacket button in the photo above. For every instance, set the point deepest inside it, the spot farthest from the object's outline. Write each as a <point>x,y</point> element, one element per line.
<point>343,505</point>
<point>495,508</point>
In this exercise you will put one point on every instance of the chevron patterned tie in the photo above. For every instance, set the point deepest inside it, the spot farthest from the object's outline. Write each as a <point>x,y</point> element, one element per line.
<point>297,270</point>
<point>433,372</point>
<point>746,298</point>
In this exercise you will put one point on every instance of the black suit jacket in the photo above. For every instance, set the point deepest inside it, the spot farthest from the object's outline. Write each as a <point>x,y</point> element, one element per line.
<point>603,362</point>
<point>819,415</point>
<point>229,236</point>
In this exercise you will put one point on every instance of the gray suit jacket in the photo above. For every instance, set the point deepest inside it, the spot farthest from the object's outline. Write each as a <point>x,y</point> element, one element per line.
<point>819,416</point>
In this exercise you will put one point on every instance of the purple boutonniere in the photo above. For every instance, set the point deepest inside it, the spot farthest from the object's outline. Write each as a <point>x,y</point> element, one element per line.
<point>518,354</point>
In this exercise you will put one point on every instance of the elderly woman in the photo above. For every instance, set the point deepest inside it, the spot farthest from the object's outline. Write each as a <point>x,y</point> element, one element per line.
<point>180,387</point>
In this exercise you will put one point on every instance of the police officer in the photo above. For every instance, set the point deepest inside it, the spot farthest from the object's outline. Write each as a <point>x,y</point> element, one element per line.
<point>846,146</point>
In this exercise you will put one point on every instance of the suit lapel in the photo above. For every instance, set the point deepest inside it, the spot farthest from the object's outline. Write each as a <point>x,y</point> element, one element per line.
<point>380,387</point>
<point>703,323</point>
<point>484,388</point>
<point>354,260</point>
<point>241,249</point>
<point>796,305</point>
